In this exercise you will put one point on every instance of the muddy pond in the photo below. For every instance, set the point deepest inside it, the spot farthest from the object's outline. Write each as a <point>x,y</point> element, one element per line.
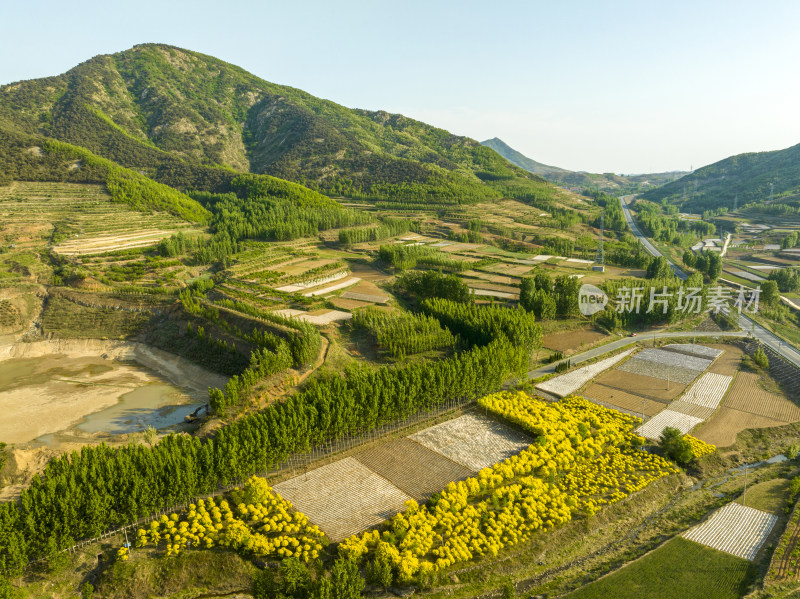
<point>44,396</point>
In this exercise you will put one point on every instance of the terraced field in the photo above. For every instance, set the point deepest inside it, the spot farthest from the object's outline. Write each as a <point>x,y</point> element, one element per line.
<point>734,529</point>
<point>84,213</point>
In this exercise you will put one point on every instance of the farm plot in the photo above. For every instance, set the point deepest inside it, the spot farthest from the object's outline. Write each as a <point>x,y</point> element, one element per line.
<point>572,339</point>
<point>692,349</point>
<point>726,423</point>
<point>729,362</point>
<point>748,396</point>
<point>690,409</point>
<point>572,381</point>
<point>343,498</point>
<point>708,391</point>
<point>312,283</point>
<point>677,569</point>
<point>413,468</point>
<point>653,428</point>
<point>344,284</point>
<point>639,384</point>
<point>668,358</point>
<point>734,529</point>
<point>627,401</point>
<point>474,441</point>
<point>110,243</point>
<point>490,293</point>
<point>365,297</point>
<point>660,371</point>
<point>322,319</point>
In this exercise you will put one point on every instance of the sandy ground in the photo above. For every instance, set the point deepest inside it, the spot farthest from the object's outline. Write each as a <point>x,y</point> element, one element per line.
<point>85,376</point>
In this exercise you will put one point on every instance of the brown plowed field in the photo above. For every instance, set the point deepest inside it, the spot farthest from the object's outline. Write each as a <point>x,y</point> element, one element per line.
<point>412,468</point>
<point>728,362</point>
<point>571,340</point>
<point>639,384</point>
<point>721,430</point>
<point>626,401</point>
<point>748,396</point>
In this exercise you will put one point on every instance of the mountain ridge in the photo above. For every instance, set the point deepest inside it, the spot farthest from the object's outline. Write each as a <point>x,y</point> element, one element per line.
<point>158,108</point>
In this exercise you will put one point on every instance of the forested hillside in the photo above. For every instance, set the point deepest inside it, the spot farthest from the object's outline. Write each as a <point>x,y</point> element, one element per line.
<point>740,180</point>
<point>168,112</point>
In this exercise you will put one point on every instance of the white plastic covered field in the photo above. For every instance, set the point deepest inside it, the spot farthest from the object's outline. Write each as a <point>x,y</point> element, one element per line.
<point>343,498</point>
<point>475,442</point>
<point>708,391</point>
<point>693,349</point>
<point>734,529</point>
<point>570,382</point>
<point>671,358</point>
<point>313,283</point>
<point>653,428</point>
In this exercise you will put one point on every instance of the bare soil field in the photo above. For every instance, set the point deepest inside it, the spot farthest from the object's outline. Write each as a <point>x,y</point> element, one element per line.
<point>639,384</point>
<point>572,340</point>
<point>367,272</point>
<point>474,441</point>
<point>728,363</point>
<point>413,468</point>
<point>343,498</point>
<point>722,428</point>
<point>747,395</point>
<point>626,401</point>
<point>370,289</point>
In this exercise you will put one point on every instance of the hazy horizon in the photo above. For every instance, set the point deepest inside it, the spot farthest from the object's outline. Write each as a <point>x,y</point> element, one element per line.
<point>623,87</point>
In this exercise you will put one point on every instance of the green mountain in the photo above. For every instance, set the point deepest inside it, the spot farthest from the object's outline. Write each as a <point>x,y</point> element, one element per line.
<point>608,182</point>
<point>741,179</point>
<point>191,120</point>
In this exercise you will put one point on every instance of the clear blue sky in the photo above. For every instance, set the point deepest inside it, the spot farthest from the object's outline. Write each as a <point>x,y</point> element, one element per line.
<point>636,86</point>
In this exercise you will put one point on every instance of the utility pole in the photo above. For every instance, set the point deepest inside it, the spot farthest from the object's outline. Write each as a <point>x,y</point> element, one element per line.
<point>744,494</point>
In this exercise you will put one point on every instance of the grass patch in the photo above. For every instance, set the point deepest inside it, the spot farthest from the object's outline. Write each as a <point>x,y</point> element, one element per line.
<point>769,496</point>
<point>680,568</point>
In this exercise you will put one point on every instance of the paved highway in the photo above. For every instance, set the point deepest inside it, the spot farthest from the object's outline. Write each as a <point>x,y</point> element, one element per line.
<point>766,337</point>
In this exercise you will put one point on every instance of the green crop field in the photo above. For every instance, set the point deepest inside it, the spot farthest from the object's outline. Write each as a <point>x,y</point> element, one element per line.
<point>677,570</point>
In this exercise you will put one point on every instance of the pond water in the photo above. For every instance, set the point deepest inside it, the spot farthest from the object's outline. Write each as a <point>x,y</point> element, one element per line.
<point>52,394</point>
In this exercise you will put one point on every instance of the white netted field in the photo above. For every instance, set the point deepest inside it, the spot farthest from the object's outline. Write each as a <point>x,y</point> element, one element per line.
<point>708,391</point>
<point>570,382</point>
<point>473,441</point>
<point>313,283</point>
<point>675,374</point>
<point>734,529</point>
<point>671,358</point>
<point>693,349</point>
<point>653,428</point>
<point>317,319</point>
<point>343,498</point>
<point>346,283</point>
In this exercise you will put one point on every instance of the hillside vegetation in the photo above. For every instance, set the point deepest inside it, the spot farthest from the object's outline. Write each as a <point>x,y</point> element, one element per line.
<point>185,119</point>
<point>744,179</point>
